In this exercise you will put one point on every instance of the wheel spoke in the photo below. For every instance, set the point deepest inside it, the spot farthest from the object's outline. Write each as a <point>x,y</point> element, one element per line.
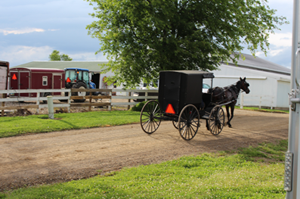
<point>187,122</point>
<point>150,117</point>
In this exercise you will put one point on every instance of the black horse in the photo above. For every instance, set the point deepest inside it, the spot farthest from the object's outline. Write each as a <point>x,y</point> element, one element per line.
<point>228,95</point>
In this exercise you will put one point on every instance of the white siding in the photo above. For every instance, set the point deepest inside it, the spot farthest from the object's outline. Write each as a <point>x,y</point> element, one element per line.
<point>265,89</point>
<point>282,94</point>
<point>3,74</point>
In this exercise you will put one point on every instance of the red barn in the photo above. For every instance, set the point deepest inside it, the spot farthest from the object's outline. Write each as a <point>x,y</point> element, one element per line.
<point>37,78</point>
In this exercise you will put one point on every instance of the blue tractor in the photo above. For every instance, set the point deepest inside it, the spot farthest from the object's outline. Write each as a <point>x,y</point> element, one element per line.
<point>79,78</point>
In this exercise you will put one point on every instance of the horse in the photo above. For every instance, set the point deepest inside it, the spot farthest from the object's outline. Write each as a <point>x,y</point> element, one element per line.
<point>228,96</point>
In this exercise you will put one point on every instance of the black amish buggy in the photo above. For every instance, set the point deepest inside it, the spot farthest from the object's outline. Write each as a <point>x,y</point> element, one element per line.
<point>182,101</point>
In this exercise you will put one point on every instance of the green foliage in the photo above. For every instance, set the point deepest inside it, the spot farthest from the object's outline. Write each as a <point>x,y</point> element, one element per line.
<point>138,107</point>
<point>143,37</point>
<point>11,126</point>
<point>216,175</point>
<point>55,56</point>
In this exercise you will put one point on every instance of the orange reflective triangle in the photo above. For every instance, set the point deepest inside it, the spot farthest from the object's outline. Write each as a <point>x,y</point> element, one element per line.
<point>14,77</point>
<point>68,80</point>
<point>170,109</point>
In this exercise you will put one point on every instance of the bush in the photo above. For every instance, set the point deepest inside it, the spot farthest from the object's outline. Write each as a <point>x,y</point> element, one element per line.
<point>138,107</point>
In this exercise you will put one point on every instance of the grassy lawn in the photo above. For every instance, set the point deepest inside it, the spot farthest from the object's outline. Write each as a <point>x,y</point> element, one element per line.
<point>255,172</point>
<point>11,126</point>
<point>263,109</point>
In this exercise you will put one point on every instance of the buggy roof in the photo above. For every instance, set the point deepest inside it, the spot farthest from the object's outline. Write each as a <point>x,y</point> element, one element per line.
<point>193,72</point>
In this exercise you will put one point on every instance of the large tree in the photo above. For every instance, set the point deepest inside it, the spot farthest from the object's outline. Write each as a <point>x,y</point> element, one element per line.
<point>143,37</point>
<point>55,56</point>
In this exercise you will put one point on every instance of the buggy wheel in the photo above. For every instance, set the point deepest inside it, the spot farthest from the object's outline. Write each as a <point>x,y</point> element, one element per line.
<point>150,117</point>
<point>175,124</point>
<point>188,122</point>
<point>216,120</point>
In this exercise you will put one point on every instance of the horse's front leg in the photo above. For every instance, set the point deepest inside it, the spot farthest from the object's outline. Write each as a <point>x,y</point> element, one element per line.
<point>229,119</point>
<point>228,115</point>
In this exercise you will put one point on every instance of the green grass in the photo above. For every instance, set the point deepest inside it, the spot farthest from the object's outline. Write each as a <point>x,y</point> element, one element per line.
<point>245,173</point>
<point>264,109</point>
<point>11,126</point>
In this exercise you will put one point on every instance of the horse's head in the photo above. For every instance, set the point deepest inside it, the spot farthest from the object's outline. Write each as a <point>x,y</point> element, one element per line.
<point>244,85</point>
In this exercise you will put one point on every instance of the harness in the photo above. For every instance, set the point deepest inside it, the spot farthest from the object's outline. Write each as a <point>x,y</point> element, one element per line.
<point>232,89</point>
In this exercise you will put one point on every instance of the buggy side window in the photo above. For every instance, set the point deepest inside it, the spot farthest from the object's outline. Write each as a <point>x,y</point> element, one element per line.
<point>45,81</point>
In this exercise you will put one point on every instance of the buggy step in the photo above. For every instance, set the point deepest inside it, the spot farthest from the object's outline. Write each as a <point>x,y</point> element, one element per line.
<point>205,117</point>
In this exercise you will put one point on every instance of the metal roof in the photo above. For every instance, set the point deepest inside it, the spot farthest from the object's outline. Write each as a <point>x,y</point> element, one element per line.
<point>91,65</point>
<point>250,62</point>
<point>38,69</point>
<point>257,63</point>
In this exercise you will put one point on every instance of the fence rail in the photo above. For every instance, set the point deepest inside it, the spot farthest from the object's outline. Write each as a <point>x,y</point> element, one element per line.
<point>259,100</point>
<point>105,100</point>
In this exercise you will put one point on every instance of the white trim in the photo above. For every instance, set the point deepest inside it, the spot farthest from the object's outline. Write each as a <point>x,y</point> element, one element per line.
<point>238,77</point>
<point>284,80</point>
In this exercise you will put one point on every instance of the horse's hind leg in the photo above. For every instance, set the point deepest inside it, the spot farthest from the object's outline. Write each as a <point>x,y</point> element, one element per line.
<point>228,115</point>
<point>207,126</point>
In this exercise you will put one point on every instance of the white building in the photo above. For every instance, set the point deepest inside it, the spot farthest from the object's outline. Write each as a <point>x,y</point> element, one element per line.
<point>269,82</point>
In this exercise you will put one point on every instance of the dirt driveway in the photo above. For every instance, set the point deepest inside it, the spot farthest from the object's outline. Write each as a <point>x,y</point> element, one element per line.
<point>67,155</point>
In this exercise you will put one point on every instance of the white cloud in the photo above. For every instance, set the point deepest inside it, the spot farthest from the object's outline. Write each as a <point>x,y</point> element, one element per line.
<point>259,54</point>
<point>53,29</point>
<point>21,31</point>
<point>17,55</point>
<point>281,39</point>
<point>275,52</point>
<point>88,56</point>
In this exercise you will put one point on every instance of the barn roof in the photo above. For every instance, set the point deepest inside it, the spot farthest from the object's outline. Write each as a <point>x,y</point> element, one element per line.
<point>91,65</point>
<point>250,62</point>
<point>257,63</point>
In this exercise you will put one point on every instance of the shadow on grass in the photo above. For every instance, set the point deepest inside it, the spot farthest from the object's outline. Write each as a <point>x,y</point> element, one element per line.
<point>264,152</point>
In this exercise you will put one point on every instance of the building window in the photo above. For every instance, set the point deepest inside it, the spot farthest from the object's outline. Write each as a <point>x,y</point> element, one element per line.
<point>45,80</point>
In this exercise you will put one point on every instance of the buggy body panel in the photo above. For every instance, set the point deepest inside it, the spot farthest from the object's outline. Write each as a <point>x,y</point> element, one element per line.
<point>181,87</point>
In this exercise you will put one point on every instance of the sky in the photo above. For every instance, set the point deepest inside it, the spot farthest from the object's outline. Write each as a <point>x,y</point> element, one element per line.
<point>31,29</point>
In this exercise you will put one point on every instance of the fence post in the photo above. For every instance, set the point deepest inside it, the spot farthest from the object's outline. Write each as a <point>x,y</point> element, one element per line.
<point>38,102</point>
<point>146,96</point>
<point>69,101</point>
<point>129,100</point>
<point>50,107</point>
<point>260,102</point>
<point>3,104</point>
<point>242,101</point>
<point>110,94</point>
<point>90,106</point>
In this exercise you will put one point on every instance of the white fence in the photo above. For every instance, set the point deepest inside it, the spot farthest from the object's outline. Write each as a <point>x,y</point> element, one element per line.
<point>257,100</point>
<point>110,95</point>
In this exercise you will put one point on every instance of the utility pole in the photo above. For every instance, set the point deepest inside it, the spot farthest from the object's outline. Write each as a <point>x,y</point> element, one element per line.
<point>292,158</point>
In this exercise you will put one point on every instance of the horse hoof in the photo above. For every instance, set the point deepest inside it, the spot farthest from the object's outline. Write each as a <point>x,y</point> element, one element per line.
<point>229,125</point>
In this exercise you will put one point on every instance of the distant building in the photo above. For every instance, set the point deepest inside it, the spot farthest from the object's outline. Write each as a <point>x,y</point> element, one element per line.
<point>93,66</point>
<point>269,82</point>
